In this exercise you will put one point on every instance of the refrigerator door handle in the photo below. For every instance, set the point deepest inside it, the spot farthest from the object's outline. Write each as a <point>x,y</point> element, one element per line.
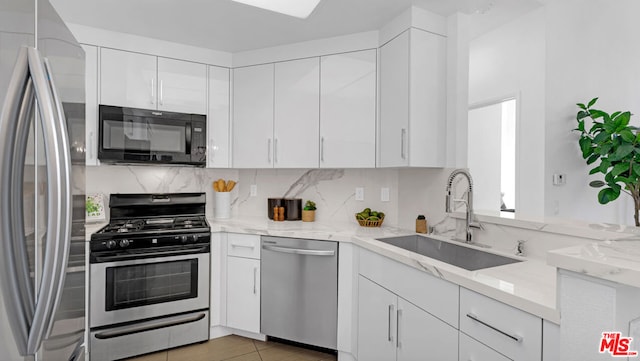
<point>58,234</point>
<point>15,285</point>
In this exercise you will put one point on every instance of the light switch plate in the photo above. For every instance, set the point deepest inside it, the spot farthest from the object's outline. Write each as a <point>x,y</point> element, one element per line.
<point>384,194</point>
<point>359,194</point>
<point>253,190</point>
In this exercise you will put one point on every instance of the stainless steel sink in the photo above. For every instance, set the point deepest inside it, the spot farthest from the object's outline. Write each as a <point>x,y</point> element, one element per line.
<point>458,255</point>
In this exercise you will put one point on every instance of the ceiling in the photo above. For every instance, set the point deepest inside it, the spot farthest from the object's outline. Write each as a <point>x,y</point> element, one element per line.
<point>233,27</point>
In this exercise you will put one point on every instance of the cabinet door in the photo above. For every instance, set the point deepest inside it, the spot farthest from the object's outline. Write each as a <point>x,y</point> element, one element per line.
<point>348,110</point>
<point>428,102</point>
<point>472,350</point>
<point>218,117</point>
<point>91,104</point>
<point>424,337</point>
<point>182,86</point>
<point>243,294</point>
<point>297,113</point>
<point>394,102</point>
<point>253,117</point>
<point>376,322</point>
<point>127,79</point>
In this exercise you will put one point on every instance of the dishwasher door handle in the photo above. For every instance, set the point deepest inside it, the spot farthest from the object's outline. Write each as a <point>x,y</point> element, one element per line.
<point>305,252</point>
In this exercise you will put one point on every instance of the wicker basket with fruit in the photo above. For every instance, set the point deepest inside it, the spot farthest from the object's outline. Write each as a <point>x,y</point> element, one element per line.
<point>369,218</point>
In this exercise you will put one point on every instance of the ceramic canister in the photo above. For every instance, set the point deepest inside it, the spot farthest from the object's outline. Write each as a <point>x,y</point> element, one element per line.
<point>293,209</point>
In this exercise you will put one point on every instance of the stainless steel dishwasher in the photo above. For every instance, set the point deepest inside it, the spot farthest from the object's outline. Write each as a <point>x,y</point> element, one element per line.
<point>299,290</point>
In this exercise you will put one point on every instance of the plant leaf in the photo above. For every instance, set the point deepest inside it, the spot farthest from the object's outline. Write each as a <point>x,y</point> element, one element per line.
<point>636,170</point>
<point>601,137</point>
<point>604,165</point>
<point>592,102</point>
<point>620,168</point>
<point>597,114</point>
<point>605,149</point>
<point>627,135</point>
<point>593,158</point>
<point>582,106</point>
<point>623,120</point>
<point>585,146</point>
<point>594,170</point>
<point>607,195</point>
<point>596,184</point>
<point>581,115</point>
<point>622,151</point>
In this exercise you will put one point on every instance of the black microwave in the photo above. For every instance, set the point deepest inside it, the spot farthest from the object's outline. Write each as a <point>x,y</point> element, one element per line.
<point>129,135</point>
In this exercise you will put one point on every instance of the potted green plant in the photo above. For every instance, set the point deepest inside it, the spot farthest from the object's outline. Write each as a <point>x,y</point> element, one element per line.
<point>609,139</point>
<point>309,211</point>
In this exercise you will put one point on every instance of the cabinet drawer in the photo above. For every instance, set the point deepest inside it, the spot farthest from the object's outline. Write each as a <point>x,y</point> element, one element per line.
<point>436,296</point>
<point>510,331</point>
<point>472,350</point>
<point>243,245</point>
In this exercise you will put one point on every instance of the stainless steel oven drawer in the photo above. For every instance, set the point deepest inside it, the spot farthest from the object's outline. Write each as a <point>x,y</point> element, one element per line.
<point>149,336</point>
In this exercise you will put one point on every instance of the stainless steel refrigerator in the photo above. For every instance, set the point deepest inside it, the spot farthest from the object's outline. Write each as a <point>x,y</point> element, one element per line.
<point>42,186</point>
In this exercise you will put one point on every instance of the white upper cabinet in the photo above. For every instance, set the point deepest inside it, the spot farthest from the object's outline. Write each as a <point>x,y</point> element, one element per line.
<point>128,79</point>
<point>218,118</point>
<point>412,129</point>
<point>149,82</point>
<point>296,123</point>
<point>91,104</point>
<point>182,86</point>
<point>253,116</point>
<point>348,110</point>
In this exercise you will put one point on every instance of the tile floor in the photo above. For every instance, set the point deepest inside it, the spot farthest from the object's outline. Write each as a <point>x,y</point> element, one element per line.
<point>236,348</point>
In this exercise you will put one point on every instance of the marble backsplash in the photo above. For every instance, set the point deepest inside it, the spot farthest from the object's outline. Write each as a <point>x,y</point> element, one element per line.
<point>108,179</point>
<point>333,190</point>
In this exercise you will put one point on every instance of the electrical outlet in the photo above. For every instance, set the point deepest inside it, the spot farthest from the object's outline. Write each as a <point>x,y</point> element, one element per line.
<point>359,194</point>
<point>384,194</point>
<point>559,179</point>
<point>253,190</point>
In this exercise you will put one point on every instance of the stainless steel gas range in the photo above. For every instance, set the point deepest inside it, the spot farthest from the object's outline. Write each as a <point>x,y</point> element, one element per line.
<point>149,275</point>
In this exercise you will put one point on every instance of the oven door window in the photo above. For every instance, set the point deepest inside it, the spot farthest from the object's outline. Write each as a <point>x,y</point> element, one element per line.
<point>150,283</point>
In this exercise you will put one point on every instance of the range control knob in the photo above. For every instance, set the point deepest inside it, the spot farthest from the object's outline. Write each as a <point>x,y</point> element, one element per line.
<point>124,243</point>
<point>184,239</point>
<point>194,238</point>
<point>111,244</point>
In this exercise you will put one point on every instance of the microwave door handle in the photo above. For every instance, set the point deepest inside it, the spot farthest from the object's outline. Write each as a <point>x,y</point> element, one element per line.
<point>58,234</point>
<point>188,135</point>
<point>12,285</point>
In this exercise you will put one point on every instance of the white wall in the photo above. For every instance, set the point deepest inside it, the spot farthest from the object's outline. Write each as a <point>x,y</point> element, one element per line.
<point>510,62</point>
<point>593,49</point>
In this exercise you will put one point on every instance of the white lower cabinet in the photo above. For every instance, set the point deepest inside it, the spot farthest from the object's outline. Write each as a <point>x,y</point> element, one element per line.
<point>391,328</point>
<point>472,350</point>
<point>508,330</point>
<point>243,284</point>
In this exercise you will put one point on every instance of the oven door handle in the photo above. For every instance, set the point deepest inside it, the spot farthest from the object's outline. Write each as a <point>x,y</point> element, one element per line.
<point>124,257</point>
<point>149,326</point>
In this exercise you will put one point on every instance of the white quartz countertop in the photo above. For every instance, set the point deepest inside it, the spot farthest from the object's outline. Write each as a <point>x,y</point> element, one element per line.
<point>529,285</point>
<point>616,260</point>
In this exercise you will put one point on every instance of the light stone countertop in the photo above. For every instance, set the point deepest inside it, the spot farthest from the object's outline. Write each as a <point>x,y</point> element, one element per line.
<point>529,285</point>
<point>617,260</point>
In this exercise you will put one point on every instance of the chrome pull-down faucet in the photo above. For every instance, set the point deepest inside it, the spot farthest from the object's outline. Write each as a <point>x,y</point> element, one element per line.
<point>469,201</point>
